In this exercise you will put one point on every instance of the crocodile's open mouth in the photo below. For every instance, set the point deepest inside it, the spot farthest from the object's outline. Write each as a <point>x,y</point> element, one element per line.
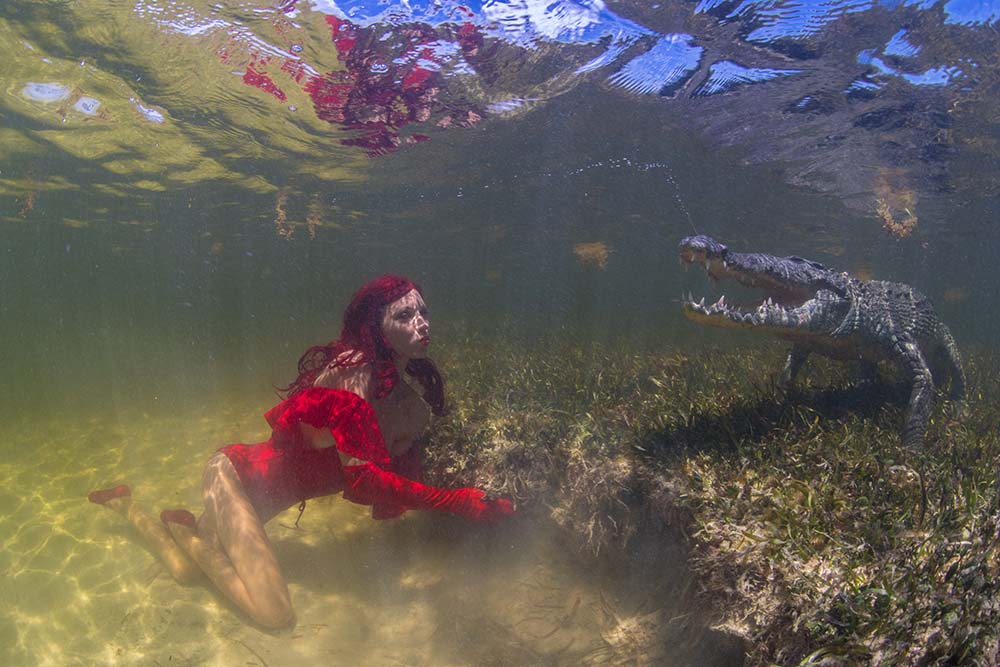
<point>776,304</point>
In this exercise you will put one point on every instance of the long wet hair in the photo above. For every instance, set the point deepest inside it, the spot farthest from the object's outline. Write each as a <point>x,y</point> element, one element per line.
<point>361,342</point>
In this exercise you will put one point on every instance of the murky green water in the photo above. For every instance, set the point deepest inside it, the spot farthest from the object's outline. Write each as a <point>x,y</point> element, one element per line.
<point>173,233</point>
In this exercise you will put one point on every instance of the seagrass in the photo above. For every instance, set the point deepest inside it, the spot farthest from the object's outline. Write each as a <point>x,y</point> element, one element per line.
<point>814,535</point>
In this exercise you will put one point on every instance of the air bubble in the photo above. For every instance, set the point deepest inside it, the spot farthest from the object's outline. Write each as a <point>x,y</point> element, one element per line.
<point>45,92</point>
<point>87,105</point>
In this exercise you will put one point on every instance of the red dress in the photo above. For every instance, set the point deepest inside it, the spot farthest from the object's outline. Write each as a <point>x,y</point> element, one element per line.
<point>287,469</point>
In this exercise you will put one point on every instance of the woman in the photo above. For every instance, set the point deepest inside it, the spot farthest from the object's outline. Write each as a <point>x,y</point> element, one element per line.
<point>349,424</point>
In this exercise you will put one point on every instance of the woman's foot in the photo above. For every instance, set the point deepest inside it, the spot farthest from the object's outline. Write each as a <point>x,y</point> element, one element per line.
<point>102,496</point>
<point>182,517</point>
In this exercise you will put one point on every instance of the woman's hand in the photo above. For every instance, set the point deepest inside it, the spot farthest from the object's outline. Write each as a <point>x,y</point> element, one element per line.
<point>481,506</point>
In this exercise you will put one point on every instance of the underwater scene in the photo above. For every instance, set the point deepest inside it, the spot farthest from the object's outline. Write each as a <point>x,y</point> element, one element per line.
<point>687,355</point>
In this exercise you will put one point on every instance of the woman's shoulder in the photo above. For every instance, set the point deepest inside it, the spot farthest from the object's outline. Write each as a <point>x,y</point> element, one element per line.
<point>349,359</point>
<point>347,371</point>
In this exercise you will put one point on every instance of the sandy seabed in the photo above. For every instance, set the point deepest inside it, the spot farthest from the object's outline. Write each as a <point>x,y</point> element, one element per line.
<point>427,589</point>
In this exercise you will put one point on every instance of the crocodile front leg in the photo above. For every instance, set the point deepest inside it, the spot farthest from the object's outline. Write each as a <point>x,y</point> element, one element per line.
<point>796,359</point>
<point>918,410</point>
<point>867,372</point>
<point>953,360</point>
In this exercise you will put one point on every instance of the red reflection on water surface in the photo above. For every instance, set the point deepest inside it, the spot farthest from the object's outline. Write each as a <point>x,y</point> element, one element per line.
<point>389,79</point>
<point>260,80</point>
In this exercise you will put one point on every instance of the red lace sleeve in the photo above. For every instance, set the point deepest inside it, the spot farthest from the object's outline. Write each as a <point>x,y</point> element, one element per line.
<point>349,417</point>
<point>407,465</point>
<point>368,484</point>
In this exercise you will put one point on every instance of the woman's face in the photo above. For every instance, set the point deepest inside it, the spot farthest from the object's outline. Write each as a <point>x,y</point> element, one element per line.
<point>406,327</point>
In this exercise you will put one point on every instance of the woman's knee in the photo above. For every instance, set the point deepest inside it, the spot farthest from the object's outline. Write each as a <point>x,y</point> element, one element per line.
<point>218,474</point>
<point>277,616</point>
<point>184,573</point>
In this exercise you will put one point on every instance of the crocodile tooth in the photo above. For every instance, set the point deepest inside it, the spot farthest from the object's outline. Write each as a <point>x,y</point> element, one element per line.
<point>702,302</point>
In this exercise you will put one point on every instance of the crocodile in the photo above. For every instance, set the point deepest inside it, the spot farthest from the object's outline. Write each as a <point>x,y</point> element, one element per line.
<point>833,314</point>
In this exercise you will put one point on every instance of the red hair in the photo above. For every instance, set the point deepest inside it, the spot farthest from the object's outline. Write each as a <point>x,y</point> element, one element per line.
<point>361,342</point>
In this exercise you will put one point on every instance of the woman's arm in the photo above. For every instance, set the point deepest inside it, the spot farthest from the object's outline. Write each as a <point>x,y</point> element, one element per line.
<point>392,493</point>
<point>368,484</point>
<point>409,464</point>
<point>355,379</point>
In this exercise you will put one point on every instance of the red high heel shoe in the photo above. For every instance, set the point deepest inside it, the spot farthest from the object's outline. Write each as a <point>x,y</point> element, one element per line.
<point>183,517</point>
<point>104,495</point>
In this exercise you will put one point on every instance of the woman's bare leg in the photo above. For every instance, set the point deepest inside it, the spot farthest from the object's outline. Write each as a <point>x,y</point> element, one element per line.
<point>155,534</point>
<point>246,569</point>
